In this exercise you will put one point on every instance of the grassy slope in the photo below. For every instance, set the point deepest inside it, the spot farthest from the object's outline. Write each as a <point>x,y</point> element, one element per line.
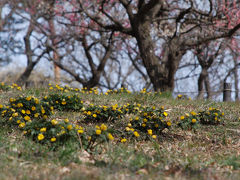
<point>212,152</point>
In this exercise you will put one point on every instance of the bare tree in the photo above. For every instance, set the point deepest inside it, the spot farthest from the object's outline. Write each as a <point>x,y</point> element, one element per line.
<point>206,54</point>
<point>180,24</point>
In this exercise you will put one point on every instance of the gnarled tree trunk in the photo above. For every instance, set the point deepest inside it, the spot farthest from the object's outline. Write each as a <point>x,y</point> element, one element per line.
<point>160,71</point>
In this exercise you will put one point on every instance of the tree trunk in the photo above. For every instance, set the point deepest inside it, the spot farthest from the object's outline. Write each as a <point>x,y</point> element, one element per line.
<point>161,72</point>
<point>236,78</point>
<point>29,53</point>
<point>25,75</point>
<point>201,82</point>
<point>208,87</point>
<point>54,42</point>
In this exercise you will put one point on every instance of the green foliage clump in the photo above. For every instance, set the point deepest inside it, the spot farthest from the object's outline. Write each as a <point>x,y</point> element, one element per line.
<point>102,113</point>
<point>149,122</point>
<point>54,131</point>
<point>4,87</point>
<point>131,108</point>
<point>31,106</point>
<point>118,91</point>
<point>64,102</point>
<point>189,121</point>
<point>212,116</point>
<point>23,110</point>
<point>180,96</point>
<point>98,135</point>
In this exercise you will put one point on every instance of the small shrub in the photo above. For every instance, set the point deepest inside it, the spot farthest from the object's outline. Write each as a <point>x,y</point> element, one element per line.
<point>212,116</point>
<point>63,102</point>
<point>31,107</point>
<point>118,91</point>
<point>189,121</point>
<point>149,122</point>
<point>4,87</point>
<point>102,113</point>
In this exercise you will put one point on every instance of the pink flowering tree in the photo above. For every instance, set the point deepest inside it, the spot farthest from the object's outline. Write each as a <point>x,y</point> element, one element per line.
<point>169,26</point>
<point>83,35</point>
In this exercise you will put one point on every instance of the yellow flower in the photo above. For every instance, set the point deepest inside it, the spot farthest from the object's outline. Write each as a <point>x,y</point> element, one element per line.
<point>54,122</point>
<point>28,98</point>
<point>33,108</point>
<point>89,113</point>
<point>10,118</point>
<point>64,102</point>
<point>98,131</point>
<point>165,114</point>
<point>149,132</point>
<point>127,129</point>
<point>28,112</point>
<point>182,117</point>
<point>194,120</point>
<point>153,107</point>
<point>193,113</point>
<point>145,120</point>
<point>12,100</point>
<point>154,136</point>
<point>169,123</point>
<point>15,114</point>
<point>1,106</point>
<point>13,110</point>
<point>43,111</point>
<point>179,96</point>
<point>69,127</point>
<point>80,131</point>
<point>40,137</point>
<point>36,115</point>
<point>66,120</point>
<point>137,118</point>
<point>110,137</point>
<point>123,140</point>
<point>18,121</point>
<point>36,101</point>
<point>103,127</point>
<point>94,115</point>
<point>23,111</point>
<point>24,132</point>
<point>53,139</point>
<point>136,134</point>
<point>43,129</point>
<point>22,125</point>
<point>129,125</point>
<point>27,118</point>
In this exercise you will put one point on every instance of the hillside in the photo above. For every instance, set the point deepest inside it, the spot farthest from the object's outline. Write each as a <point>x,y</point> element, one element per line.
<point>64,133</point>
